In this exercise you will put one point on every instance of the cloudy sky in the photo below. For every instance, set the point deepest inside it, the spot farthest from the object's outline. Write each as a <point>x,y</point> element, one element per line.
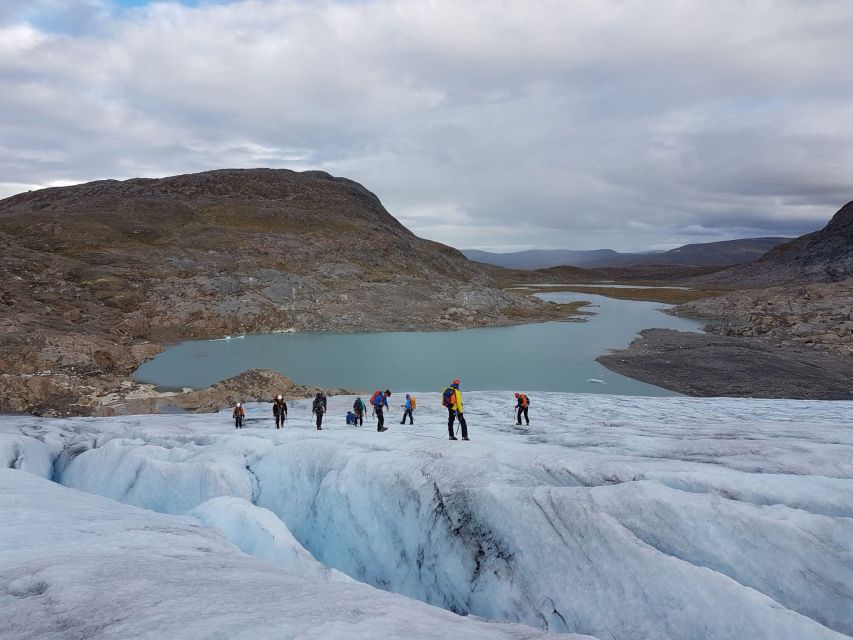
<point>500,124</point>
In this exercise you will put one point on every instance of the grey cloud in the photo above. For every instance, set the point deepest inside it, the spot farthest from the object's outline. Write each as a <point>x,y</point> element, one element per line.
<point>547,123</point>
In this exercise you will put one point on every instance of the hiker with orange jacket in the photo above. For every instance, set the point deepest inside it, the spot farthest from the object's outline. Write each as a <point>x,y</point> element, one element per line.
<point>238,414</point>
<point>521,407</point>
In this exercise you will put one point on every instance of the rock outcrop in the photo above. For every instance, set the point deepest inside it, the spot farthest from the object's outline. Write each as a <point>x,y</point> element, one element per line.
<point>254,385</point>
<point>813,315</point>
<point>97,277</point>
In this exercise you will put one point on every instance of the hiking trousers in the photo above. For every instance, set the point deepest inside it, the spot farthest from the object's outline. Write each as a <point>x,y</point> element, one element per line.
<point>279,420</point>
<point>238,422</point>
<point>522,411</point>
<point>407,412</point>
<point>452,415</point>
<point>319,420</point>
<point>380,418</point>
<point>359,419</point>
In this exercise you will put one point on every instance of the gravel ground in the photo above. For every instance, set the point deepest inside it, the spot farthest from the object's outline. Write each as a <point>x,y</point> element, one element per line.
<point>698,364</point>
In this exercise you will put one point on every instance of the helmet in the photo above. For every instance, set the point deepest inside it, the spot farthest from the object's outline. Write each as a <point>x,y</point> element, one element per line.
<point>387,392</point>
<point>279,397</point>
<point>517,394</point>
<point>238,404</point>
<point>456,382</point>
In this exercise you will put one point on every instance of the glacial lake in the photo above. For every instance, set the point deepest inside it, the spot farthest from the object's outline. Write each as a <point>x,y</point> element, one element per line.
<point>551,356</point>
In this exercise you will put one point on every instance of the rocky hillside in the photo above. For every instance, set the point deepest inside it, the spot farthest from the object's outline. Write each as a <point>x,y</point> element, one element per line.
<point>98,276</point>
<point>822,256</point>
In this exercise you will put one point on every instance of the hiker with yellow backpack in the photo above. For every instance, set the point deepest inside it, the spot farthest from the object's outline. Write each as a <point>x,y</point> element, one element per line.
<point>452,399</point>
<point>408,409</point>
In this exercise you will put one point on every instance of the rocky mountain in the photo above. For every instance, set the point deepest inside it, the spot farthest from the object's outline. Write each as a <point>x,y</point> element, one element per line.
<point>98,276</point>
<point>822,256</point>
<point>709,254</point>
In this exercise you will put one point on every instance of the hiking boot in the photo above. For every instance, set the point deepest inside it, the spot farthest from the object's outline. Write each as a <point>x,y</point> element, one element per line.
<point>465,438</point>
<point>453,438</point>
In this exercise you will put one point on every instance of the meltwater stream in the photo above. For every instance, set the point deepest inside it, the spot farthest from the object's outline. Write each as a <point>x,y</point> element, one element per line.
<point>553,356</point>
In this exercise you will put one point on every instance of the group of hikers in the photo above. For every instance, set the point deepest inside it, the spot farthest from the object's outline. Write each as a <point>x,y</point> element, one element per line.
<point>451,399</point>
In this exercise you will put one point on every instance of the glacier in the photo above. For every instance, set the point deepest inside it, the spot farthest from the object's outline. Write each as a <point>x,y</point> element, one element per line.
<point>609,516</point>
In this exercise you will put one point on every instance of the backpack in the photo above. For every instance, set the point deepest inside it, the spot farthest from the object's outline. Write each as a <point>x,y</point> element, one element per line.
<point>350,417</point>
<point>376,394</point>
<point>359,407</point>
<point>413,401</point>
<point>525,400</point>
<point>447,396</point>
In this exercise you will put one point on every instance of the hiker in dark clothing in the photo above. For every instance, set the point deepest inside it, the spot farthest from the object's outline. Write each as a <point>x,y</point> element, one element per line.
<point>379,401</point>
<point>319,408</point>
<point>521,407</point>
<point>408,410</point>
<point>453,401</point>
<point>238,414</point>
<point>359,409</point>
<point>279,410</point>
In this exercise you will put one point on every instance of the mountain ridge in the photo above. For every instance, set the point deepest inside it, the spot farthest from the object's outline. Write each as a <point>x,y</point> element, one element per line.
<point>721,253</point>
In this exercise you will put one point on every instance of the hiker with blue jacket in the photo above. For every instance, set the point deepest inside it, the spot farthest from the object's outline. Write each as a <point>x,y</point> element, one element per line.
<point>408,410</point>
<point>379,401</point>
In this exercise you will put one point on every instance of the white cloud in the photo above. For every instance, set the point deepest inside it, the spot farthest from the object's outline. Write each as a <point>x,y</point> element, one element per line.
<point>550,123</point>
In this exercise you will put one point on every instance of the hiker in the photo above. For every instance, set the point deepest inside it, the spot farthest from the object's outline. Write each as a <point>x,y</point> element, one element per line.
<point>359,409</point>
<point>452,399</point>
<point>319,408</point>
<point>379,401</point>
<point>279,410</point>
<point>522,404</point>
<point>408,409</point>
<point>238,414</point>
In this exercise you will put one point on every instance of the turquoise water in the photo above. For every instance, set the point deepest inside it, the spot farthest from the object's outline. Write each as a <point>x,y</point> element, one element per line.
<point>552,356</point>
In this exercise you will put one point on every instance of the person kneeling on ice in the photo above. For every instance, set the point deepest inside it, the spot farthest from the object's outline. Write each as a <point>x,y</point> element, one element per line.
<point>319,408</point>
<point>279,410</point>
<point>379,401</point>
<point>452,399</point>
<point>359,409</point>
<point>238,414</point>
<point>408,409</point>
<point>521,407</point>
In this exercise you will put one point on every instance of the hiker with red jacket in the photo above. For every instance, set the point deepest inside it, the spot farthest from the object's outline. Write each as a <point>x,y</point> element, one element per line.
<point>379,401</point>
<point>521,407</point>
<point>452,399</point>
<point>238,414</point>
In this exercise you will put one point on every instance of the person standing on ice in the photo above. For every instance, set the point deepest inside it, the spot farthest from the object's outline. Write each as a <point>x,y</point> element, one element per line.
<point>521,406</point>
<point>238,414</point>
<point>452,399</point>
<point>408,409</point>
<point>279,410</point>
<point>359,409</point>
<point>379,401</point>
<point>319,408</point>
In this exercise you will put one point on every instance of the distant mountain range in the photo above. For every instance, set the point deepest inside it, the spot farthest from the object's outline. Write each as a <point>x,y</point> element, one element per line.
<point>709,254</point>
